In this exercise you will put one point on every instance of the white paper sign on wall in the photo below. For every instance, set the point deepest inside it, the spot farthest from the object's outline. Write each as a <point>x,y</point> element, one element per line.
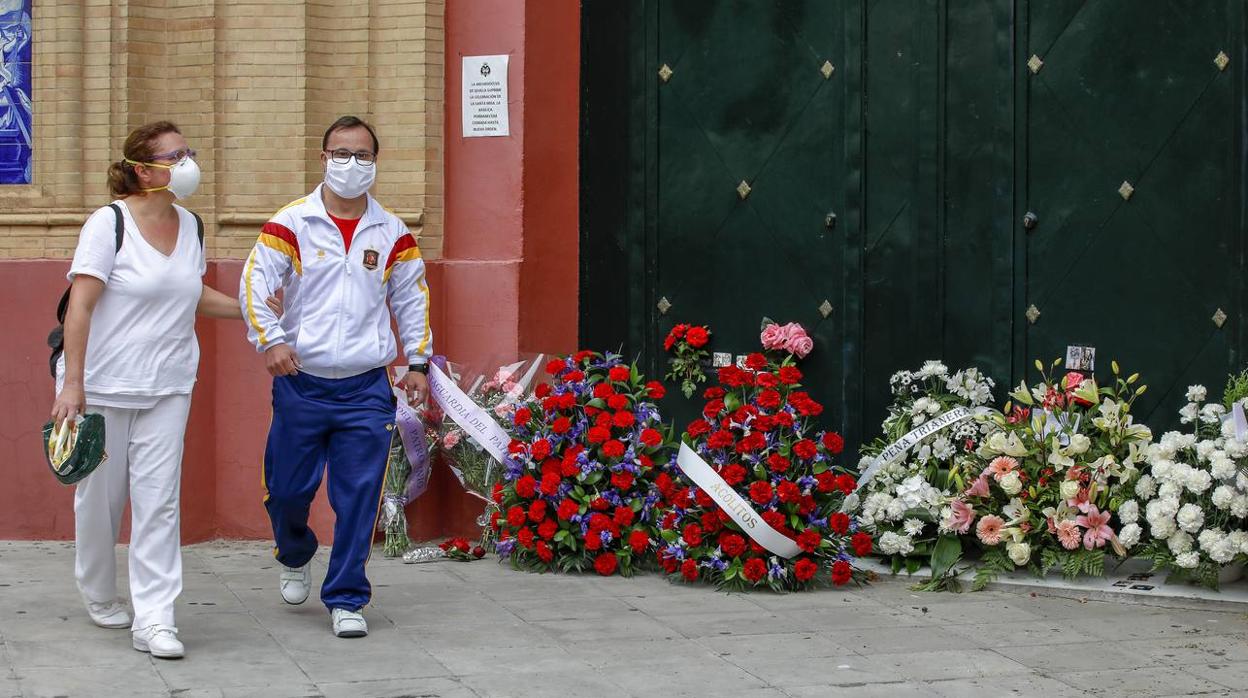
<point>485,110</point>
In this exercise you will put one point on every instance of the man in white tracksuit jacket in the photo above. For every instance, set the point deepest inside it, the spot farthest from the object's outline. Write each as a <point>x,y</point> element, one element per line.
<point>344,263</point>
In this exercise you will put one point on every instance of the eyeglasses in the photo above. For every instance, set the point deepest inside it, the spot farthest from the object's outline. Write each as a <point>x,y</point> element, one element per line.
<point>176,155</point>
<point>342,156</point>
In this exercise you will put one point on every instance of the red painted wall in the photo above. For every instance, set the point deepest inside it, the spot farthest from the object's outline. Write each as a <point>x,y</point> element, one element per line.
<point>549,273</point>
<point>507,282</point>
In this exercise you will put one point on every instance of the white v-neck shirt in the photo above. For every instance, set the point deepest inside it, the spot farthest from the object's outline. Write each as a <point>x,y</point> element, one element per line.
<point>142,344</point>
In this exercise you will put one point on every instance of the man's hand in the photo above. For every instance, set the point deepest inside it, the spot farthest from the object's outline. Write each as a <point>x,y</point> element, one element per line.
<point>281,360</point>
<point>416,385</point>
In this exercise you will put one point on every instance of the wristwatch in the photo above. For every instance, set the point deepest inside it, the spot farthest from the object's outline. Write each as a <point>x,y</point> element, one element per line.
<point>419,368</point>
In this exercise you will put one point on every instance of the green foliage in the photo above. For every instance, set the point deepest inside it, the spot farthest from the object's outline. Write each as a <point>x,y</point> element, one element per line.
<point>1236,389</point>
<point>991,565</point>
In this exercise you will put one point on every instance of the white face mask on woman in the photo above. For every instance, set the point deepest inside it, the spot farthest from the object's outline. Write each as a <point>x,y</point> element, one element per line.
<point>183,176</point>
<point>349,179</point>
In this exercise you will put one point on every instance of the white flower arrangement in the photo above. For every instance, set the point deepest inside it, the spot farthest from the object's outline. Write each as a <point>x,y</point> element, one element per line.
<point>902,505</point>
<point>1194,497</point>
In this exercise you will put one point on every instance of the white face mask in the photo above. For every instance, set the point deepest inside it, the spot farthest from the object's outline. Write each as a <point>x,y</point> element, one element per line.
<point>350,179</point>
<point>183,177</point>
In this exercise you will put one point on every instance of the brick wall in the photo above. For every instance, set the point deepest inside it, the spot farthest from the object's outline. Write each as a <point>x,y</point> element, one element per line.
<point>253,85</point>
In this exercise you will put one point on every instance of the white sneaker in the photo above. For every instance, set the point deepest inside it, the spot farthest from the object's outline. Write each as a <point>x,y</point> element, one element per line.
<point>348,623</point>
<point>110,614</point>
<point>296,583</point>
<point>160,640</point>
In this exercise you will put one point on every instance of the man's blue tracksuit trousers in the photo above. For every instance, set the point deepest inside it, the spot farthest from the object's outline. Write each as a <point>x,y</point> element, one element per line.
<point>343,427</point>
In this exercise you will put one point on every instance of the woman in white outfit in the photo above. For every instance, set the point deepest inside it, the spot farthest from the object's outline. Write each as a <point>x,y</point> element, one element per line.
<point>131,354</point>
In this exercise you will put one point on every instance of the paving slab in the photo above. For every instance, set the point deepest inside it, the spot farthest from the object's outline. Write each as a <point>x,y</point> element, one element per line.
<point>482,629</point>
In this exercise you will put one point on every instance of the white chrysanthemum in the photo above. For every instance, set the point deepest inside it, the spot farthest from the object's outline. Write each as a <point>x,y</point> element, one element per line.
<point>1179,542</point>
<point>1191,517</point>
<point>894,544</point>
<point>1238,539</point>
<point>1196,393</point>
<point>1189,413</point>
<point>1187,560</point>
<point>1198,481</point>
<point>1170,505</point>
<point>1129,512</point>
<point>1212,413</point>
<point>1222,468</point>
<point>1209,538</point>
<point>913,527</point>
<point>1239,507</point>
<point>1205,449</point>
<point>896,510</point>
<point>1162,527</point>
<point>1241,481</point>
<point>933,368</point>
<point>1223,552</point>
<point>1170,490</point>
<point>1129,536</point>
<point>1235,448</point>
<point>943,448</point>
<point>1222,497</point>
<point>913,490</point>
<point>1163,470</point>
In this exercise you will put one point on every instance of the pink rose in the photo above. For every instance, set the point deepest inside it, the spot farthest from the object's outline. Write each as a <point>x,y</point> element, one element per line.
<point>773,337</point>
<point>451,440</point>
<point>801,346</point>
<point>797,341</point>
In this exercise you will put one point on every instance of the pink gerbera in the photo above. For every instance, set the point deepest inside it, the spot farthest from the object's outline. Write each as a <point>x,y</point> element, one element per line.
<point>1098,532</point>
<point>961,518</point>
<point>989,529</point>
<point>1000,466</point>
<point>1068,534</point>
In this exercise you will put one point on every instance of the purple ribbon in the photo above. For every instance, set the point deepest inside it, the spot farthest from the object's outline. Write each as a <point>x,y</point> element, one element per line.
<point>412,434</point>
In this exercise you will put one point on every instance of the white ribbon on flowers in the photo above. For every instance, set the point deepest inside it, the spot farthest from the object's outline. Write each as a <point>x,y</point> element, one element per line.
<point>1236,415</point>
<point>736,506</point>
<point>476,422</point>
<point>898,448</point>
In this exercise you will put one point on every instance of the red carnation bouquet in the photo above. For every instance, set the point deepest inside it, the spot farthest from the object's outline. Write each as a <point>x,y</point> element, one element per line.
<point>687,344</point>
<point>578,490</point>
<point>757,433</point>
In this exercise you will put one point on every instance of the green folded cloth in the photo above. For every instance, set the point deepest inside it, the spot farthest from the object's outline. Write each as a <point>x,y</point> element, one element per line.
<point>73,451</point>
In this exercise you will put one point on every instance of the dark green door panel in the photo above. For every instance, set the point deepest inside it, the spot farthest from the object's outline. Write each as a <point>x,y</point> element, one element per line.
<point>1137,269</point>
<point>929,142</point>
<point>748,171</point>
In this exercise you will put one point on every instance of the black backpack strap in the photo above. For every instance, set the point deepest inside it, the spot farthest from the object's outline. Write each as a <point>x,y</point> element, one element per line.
<point>199,229</point>
<point>119,227</point>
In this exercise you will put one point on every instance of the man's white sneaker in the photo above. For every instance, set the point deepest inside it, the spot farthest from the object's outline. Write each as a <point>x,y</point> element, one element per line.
<point>110,614</point>
<point>348,623</point>
<point>296,583</point>
<point>160,640</point>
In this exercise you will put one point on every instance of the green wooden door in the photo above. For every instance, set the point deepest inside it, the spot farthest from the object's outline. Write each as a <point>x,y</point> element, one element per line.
<point>1131,168</point>
<point>750,182</point>
<point>929,139</point>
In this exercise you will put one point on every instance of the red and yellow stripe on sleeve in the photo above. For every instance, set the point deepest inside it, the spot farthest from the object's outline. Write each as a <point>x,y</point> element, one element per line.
<point>404,250</point>
<point>278,237</point>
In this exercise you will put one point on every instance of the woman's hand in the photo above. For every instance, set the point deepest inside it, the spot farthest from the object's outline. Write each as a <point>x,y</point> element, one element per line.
<point>70,403</point>
<point>214,304</point>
